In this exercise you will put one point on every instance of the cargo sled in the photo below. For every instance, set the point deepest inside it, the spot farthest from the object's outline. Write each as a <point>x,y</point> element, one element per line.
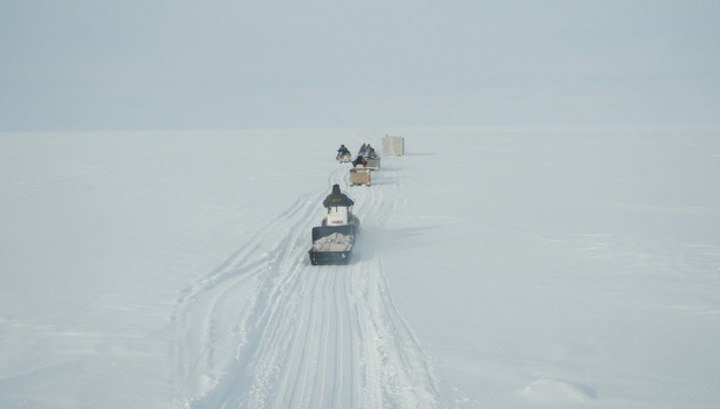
<point>332,243</point>
<point>360,175</point>
<point>373,163</point>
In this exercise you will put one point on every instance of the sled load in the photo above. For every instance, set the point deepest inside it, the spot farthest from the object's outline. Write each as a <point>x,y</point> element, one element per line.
<point>360,175</point>
<point>332,243</point>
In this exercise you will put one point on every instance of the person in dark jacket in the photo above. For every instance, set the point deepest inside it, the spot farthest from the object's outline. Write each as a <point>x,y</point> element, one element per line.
<point>359,161</point>
<point>337,198</point>
<point>343,150</point>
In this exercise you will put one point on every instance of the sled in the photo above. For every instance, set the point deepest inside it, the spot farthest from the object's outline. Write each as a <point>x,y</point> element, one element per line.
<point>360,175</point>
<point>332,244</point>
<point>373,163</point>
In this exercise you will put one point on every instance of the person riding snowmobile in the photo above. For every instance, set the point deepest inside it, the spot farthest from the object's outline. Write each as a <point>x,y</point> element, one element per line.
<point>359,161</point>
<point>370,152</point>
<point>337,198</point>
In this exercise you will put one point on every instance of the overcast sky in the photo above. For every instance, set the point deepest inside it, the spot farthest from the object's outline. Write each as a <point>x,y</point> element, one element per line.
<point>142,64</point>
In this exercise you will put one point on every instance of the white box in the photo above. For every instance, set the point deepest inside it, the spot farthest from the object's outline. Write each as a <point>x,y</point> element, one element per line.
<point>393,145</point>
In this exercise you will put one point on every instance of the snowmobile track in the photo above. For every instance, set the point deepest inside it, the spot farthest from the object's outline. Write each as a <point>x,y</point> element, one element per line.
<point>268,330</point>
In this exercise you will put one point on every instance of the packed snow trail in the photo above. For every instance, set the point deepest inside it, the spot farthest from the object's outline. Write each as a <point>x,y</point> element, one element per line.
<point>268,330</point>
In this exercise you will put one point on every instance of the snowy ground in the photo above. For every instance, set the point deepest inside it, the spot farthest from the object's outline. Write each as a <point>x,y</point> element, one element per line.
<point>497,268</point>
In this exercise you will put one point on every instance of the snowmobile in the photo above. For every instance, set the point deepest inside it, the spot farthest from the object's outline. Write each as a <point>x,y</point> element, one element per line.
<point>364,150</point>
<point>332,243</point>
<point>344,157</point>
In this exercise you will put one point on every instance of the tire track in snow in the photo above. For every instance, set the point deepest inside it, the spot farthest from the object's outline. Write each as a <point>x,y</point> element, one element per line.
<point>275,332</point>
<point>271,293</point>
<point>212,315</point>
<point>406,379</point>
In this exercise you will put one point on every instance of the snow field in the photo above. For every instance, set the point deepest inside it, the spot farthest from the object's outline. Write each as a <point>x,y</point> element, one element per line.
<point>503,267</point>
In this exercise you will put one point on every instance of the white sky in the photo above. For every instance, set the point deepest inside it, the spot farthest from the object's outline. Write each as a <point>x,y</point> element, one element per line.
<point>131,64</point>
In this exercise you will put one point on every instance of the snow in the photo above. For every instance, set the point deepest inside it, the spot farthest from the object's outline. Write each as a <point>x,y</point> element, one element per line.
<point>497,267</point>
